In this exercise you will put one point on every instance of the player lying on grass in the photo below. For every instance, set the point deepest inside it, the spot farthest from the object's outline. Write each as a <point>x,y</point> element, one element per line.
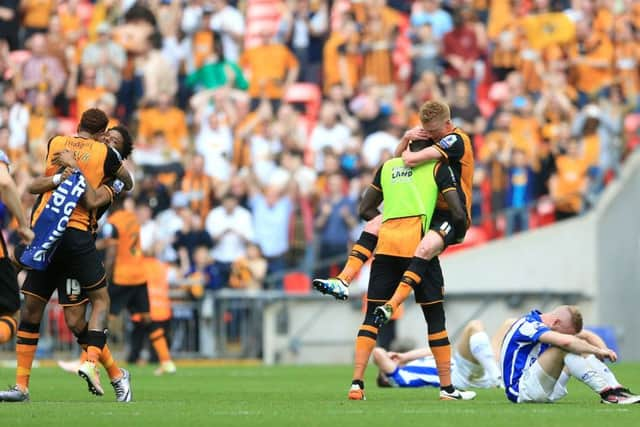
<point>541,351</point>
<point>474,363</point>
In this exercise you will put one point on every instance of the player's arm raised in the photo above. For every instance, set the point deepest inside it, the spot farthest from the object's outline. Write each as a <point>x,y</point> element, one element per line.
<point>576,345</point>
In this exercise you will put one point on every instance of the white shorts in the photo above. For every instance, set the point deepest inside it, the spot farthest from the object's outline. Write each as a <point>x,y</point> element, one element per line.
<point>467,374</point>
<point>536,386</point>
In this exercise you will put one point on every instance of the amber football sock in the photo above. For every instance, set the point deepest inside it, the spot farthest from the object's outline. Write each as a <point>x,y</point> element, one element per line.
<point>360,253</point>
<point>26,344</point>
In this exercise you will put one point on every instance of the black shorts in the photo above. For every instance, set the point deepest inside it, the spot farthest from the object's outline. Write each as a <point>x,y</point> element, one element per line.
<point>75,269</point>
<point>441,223</point>
<point>387,271</point>
<point>9,292</point>
<point>41,284</point>
<point>135,298</point>
<point>432,287</point>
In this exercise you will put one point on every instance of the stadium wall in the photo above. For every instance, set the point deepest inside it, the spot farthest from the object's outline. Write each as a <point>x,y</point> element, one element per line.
<point>618,258</point>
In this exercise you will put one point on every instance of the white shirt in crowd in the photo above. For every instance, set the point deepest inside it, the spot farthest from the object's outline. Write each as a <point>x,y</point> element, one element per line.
<point>18,123</point>
<point>216,146</point>
<point>229,19</point>
<point>375,145</point>
<point>335,137</point>
<point>230,245</point>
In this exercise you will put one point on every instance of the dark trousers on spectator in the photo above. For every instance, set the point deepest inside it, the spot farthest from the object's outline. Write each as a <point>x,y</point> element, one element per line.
<point>276,265</point>
<point>128,96</point>
<point>517,220</point>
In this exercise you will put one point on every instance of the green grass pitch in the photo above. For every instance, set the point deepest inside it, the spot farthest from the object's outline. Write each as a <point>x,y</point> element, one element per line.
<point>293,396</point>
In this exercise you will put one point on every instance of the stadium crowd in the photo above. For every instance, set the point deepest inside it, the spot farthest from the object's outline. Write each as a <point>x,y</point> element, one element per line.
<point>258,123</point>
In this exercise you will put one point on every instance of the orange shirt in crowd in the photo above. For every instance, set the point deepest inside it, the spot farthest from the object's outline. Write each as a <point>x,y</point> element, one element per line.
<point>590,79</point>
<point>87,97</point>
<point>571,177</point>
<point>171,122</point>
<point>591,150</point>
<point>202,47</point>
<point>268,67</point>
<point>200,187</point>
<point>37,13</point>
<point>525,133</point>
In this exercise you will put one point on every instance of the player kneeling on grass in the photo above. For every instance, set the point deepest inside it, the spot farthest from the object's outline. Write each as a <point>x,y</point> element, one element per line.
<point>541,351</point>
<point>474,363</point>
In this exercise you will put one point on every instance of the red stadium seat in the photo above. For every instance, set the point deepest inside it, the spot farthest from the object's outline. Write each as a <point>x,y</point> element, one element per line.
<point>296,283</point>
<point>305,93</point>
<point>475,236</point>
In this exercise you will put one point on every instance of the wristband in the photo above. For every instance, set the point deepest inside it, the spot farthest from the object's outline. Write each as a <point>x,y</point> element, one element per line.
<point>57,178</point>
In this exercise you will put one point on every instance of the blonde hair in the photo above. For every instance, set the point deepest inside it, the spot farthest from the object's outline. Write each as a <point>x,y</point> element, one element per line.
<point>434,111</point>
<point>576,317</point>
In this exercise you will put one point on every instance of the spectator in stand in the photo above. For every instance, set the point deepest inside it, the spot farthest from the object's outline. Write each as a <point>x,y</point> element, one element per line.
<point>304,30</point>
<point>271,68</point>
<point>462,49</point>
<point>227,21</point>
<point>337,215</point>
<point>429,12</point>
<point>35,16</point>
<point>197,185</point>
<point>380,146</point>
<point>249,272</point>
<point>148,228</point>
<point>569,184</point>
<point>215,71</point>
<point>591,58</point>
<point>87,93</point>
<point>107,103</point>
<point>271,209</point>
<point>341,55</point>
<point>329,132</point>
<point>10,22</point>
<point>107,57</point>
<point>214,141</point>
<point>18,124</point>
<point>159,77</point>
<point>425,52</point>
<point>167,118</point>
<point>41,72</point>
<point>191,236</point>
<point>377,44</point>
<point>465,113</point>
<point>231,228</point>
<point>520,193</point>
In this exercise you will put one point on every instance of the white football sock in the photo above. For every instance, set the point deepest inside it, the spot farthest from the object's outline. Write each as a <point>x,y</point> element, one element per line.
<point>604,371</point>
<point>581,370</point>
<point>481,349</point>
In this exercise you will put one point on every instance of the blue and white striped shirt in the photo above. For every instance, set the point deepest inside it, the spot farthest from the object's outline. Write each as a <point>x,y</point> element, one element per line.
<point>417,373</point>
<point>520,349</point>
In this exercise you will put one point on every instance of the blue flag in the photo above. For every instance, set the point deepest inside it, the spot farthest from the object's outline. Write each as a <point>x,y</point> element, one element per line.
<point>52,222</point>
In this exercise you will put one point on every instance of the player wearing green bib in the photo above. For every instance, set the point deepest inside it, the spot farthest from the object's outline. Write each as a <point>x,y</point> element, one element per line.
<point>410,196</point>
